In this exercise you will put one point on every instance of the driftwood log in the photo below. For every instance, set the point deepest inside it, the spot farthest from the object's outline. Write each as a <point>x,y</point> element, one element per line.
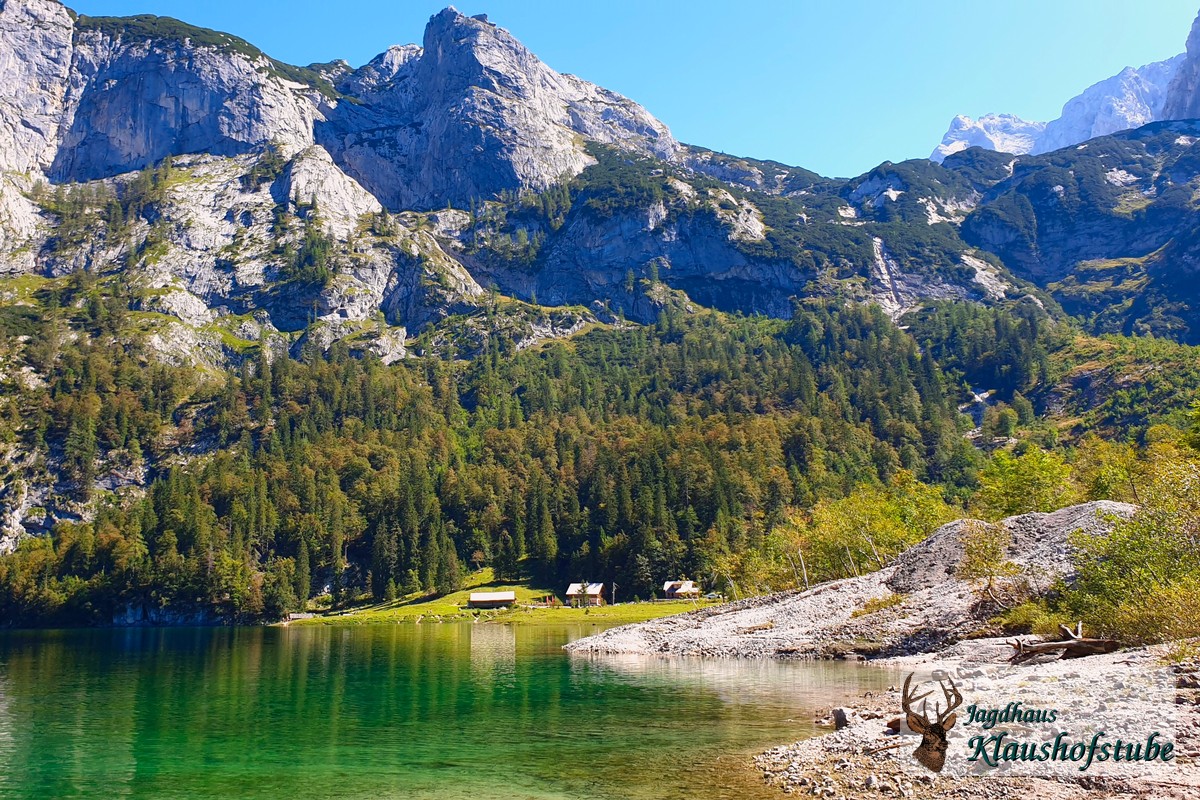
<point>1073,645</point>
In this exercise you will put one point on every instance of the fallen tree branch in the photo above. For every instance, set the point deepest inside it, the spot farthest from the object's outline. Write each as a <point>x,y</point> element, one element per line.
<point>1075,645</point>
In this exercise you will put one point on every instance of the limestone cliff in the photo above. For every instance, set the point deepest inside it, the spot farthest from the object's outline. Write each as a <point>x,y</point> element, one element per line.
<point>471,113</point>
<point>35,67</point>
<point>1183,94</point>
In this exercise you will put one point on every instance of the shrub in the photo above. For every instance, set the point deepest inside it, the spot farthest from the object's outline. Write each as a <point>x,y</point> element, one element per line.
<point>1162,613</point>
<point>878,604</point>
<point>985,560</point>
<point>1034,481</point>
<point>1142,582</point>
<point>1033,616</point>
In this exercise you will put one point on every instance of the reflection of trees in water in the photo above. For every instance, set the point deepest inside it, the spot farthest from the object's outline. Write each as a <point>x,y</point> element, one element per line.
<point>415,709</point>
<point>59,696</point>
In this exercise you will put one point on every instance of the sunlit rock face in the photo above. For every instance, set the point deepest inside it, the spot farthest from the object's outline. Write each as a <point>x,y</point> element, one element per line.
<point>473,112</point>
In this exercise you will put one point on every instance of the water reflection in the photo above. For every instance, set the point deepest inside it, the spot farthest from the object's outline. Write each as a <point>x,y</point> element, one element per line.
<point>7,763</point>
<point>494,655</point>
<point>432,711</point>
<point>740,681</point>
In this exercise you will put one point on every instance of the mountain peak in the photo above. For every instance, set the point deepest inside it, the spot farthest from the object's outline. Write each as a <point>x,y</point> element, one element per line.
<point>1130,99</point>
<point>1133,97</point>
<point>1006,133</point>
<point>473,96</point>
<point>466,51</point>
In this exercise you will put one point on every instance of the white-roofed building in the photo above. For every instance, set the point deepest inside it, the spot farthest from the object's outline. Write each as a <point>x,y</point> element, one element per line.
<point>585,594</point>
<point>492,599</point>
<point>674,590</point>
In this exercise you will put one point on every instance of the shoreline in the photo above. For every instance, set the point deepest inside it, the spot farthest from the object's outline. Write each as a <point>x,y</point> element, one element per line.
<point>915,615</point>
<point>438,612</point>
<point>840,761</point>
<point>914,605</point>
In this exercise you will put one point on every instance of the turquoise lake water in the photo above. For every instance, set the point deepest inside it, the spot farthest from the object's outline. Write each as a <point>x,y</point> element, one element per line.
<point>445,712</point>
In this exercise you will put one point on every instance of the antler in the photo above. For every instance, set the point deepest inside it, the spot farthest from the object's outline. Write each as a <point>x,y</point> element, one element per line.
<point>953,700</point>
<point>909,698</point>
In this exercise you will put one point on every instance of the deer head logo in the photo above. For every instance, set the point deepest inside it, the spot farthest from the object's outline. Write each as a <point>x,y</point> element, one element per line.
<point>931,753</point>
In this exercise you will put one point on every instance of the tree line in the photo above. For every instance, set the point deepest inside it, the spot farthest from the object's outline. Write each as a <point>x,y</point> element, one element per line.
<point>705,446</point>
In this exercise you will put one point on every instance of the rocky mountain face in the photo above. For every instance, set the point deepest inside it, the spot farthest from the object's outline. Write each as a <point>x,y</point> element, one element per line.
<point>1183,93</point>
<point>476,98</point>
<point>1108,227</point>
<point>35,60</point>
<point>242,199</point>
<point>35,65</point>
<point>103,96</point>
<point>89,101</point>
<point>139,92</point>
<point>1129,99</point>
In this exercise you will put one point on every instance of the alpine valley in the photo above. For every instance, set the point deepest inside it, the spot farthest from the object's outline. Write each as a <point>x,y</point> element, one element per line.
<point>270,333</point>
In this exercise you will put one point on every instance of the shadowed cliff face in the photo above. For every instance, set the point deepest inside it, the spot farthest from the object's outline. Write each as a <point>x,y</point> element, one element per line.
<point>133,101</point>
<point>1183,95</point>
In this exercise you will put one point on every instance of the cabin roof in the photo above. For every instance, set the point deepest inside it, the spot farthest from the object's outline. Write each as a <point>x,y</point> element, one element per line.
<point>493,597</point>
<point>592,588</point>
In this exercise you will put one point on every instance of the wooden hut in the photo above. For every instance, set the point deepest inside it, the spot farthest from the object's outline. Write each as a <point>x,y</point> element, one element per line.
<point>680,590</point>
<point>492,599</point>
<point>585,594</point>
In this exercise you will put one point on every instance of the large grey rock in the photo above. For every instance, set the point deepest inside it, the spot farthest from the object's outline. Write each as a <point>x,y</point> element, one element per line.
<point>427,283</point>
<point>18,225</point>
<point>341,201</point>
<point>1038,540</point>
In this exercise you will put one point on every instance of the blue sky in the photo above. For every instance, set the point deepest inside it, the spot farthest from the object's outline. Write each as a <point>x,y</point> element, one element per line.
<point>832,86</point>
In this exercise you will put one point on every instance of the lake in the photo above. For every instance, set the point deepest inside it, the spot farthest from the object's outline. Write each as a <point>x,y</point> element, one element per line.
<point>444,712</point>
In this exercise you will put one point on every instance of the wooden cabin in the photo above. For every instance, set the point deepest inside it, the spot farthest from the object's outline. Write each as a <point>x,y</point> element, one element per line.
<point>585,594</point>
<point>681,590</point>
<point>492,599</point>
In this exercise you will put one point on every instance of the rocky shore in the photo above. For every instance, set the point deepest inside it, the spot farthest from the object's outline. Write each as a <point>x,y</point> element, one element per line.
<point>916,616</point>
<point>915,605</point>
<point>848,762</point>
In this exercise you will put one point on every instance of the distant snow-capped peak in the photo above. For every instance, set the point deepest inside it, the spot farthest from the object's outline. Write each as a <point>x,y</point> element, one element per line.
<point>1131,98</point>
<point>1006,133</point>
